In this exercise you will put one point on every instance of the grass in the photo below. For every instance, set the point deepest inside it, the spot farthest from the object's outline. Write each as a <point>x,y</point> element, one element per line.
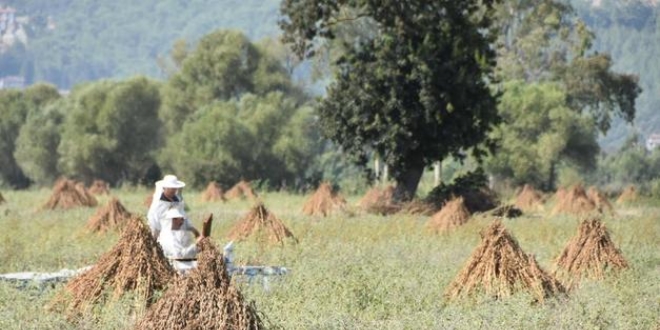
<point>347,272</point>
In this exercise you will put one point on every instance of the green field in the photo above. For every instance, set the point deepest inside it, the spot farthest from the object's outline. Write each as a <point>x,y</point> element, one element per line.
<point>347,272</point>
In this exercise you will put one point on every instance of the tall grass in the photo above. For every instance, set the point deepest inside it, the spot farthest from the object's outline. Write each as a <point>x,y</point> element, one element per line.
<point>347,272</point>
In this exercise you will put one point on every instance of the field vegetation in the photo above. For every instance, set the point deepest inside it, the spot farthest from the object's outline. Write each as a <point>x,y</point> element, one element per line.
<point>348,270</point>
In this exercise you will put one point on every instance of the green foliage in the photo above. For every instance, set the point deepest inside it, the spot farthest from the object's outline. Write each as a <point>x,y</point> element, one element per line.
<point>551,126</point>
<point>414,91</point>
<point>630,165</point>
<point>111,130</point>
<point>256,138</point>
<point>332,165</point>
<point>232,113</point>
<point>471,186</point>
<point>37,142</point>
<point>540,132</point>
<point>14,109</point>
<point>544,41</point>
<point>629,31</point>
<point>225,65</point>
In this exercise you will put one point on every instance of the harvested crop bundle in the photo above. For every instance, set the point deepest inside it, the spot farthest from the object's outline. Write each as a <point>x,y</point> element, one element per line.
<point>498,267</point>
<point>135,264</point>
<point>213,193</point>
<point>324,201</point>
<point>590,253</point>
<point>113,216</point>
<point>69,194</point>
<point>452,215</point>
<point>204,299</point>
<point>261,225</point>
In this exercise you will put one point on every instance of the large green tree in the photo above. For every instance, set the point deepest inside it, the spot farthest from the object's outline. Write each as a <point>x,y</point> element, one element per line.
<point>413,88</point>
<point>231,111</point>
<point>541,133</point>
<point>545,45</point>
<point>265,138</point>
<point>15,106</point>
<point>111,130</point>
<point>544,41</point>
<point>224,65</point>
<point>37,142</point>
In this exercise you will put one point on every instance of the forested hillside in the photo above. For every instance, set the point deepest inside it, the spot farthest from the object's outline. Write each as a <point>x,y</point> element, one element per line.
<point>630,32</point>
<point>74,41</point>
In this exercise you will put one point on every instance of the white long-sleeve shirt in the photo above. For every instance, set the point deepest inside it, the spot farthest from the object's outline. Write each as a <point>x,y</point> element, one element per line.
<point>177,244</point>
<point>156,214</point>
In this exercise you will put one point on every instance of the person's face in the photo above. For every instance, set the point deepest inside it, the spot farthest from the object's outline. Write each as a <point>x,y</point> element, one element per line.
<point>177,223</point>
<point>169,192</point>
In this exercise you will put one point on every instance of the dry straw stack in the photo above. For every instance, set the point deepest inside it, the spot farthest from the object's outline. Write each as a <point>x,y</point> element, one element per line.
<point>600,200</point>
<point>113,216</point>
<point>499,267</point>
<point>262,225</point>
<point>135,264</point>
<point>560,194</point>
<point>575,201</point>
<point>417,206</point>
<point>452,215</point>
<point>213,193</point>
<point>67,194</point>
<point>99,187</point>
<point>204,299</point>
<point>379,201</point>
<point>2,199</point>
<point>241,190</point>
<point>628,195</point>
<point>324,202</point>
<point>529,199</point>
<point>88,198</point>
<point>148,200</point>
<point>590,253</point>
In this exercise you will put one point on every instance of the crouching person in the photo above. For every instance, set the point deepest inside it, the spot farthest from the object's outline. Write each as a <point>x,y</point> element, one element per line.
<point>177,241</point>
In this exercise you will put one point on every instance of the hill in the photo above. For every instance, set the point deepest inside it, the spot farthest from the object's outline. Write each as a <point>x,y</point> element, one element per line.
<point>69,42</point>
<point>629,31</point>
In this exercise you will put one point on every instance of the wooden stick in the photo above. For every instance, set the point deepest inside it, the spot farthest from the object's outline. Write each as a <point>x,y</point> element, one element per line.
<point>206,227</point>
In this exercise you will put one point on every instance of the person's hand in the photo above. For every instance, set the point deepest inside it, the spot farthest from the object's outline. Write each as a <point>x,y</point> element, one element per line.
<point>199,239</point>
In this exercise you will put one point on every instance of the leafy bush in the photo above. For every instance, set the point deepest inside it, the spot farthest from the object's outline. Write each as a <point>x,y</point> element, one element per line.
<point>473,187</point>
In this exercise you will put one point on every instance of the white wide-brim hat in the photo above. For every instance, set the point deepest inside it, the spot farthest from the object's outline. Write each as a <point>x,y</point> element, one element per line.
<point>171,181</point>
<point>173,213</point>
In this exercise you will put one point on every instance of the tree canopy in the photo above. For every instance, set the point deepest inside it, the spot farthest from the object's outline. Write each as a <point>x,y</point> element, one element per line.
<point>414,90</point>
<point>224,65</point>
<point>570,90</point>
<point>231,112</point>
<point>541,132</point>
<point>15,106</point>
<point>111,130</point>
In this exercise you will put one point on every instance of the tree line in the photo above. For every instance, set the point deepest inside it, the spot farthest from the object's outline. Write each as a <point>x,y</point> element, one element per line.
<point>512,87</point>
<point>230,112</point>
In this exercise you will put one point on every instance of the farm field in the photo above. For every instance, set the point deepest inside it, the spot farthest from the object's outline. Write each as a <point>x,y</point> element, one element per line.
<point>349,271</point>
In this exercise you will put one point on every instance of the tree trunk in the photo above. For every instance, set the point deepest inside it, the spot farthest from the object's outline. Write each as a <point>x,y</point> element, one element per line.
<point>437,173</point>
<point>407,182</point>
<point>550,184</point>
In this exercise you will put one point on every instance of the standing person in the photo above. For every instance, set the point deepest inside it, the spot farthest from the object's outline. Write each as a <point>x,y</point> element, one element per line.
<point>167,196</point>
<point>178,245</point>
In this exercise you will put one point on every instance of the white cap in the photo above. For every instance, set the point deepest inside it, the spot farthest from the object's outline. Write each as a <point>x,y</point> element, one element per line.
<point>171,181</point>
